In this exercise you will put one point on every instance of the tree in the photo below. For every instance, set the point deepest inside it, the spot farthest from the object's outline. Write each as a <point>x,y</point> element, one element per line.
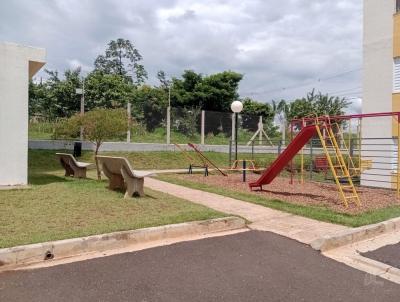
<point>313,105</point>
<point>186,121</point>
<point>122,58</point>
<point>56,97</point>
<point>102,124</point>
<point>106,90</point>
<point>218,91</point>
<point>330,105</point>
<point>252,110</point>
<point>162,78</point>
<point>150,106</point>
<point>98,124</point>
<point>38,100</point>
<point>215,92</point>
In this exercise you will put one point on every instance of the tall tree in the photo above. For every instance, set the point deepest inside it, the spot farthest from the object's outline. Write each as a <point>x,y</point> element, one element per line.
<point>56,97</point>
<point>106,90</point>
<point>122,58</point>
<point>162,78</point>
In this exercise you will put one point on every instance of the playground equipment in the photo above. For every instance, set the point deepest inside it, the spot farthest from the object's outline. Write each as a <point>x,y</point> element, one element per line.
<point>260,133</point>
<point>347,191</point>
<point>193,163</point>
<point>251,165</point>
<point>206,162</point>
<point>362,155</point>
<point>285,157</point>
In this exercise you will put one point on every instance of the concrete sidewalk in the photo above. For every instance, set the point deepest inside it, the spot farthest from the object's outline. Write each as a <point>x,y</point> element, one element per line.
<point>262,218</point>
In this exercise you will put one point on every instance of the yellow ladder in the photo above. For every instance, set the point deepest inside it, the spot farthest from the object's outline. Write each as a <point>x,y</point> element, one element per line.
<point>350,163</point>
<point>347,191</point>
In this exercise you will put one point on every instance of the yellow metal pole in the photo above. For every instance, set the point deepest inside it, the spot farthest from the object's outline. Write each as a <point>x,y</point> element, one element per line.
<point>302,162</point>
<point>350,132</point>
<point>302,167</point>
<point>359,142</point>
<point>349,144</point>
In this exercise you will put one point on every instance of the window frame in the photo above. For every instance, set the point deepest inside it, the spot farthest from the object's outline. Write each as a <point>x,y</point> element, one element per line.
<point>396,75</point>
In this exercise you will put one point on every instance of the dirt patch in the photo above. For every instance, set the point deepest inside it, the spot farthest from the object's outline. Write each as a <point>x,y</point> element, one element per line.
<point>309,193</point>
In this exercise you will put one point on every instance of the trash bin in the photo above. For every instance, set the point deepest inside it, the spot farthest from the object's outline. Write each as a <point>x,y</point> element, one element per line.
<point>77,149</point>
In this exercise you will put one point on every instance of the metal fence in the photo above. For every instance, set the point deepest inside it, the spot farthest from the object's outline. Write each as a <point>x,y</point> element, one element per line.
<point>179,126</point>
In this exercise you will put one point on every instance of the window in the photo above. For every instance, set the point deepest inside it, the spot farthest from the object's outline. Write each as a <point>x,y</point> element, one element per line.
<point>397,5</point>
<point>396,75</point>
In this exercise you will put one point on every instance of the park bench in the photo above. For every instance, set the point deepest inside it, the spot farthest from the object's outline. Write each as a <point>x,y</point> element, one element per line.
<point>71,166</point>
<point>121,175</point>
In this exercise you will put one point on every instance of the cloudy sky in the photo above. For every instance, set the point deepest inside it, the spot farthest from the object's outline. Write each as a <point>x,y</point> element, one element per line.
<point>284,48</point>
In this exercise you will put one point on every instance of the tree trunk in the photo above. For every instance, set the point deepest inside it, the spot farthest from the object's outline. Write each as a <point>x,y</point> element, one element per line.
<point>97,161</point>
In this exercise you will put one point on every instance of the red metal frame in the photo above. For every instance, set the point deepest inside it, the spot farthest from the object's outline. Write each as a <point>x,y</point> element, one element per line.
<point>345,117</point>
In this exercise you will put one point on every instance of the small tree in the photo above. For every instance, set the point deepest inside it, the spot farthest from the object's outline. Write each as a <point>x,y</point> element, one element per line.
<point>102,124</point>
<point>98,125</point>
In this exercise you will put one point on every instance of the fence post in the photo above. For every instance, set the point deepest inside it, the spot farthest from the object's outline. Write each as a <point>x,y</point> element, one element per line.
<point>260,127</point>
<point>128,133</point>
<point>283,132</point>
<point>279,147</point>
<point>168,125</point>
<point>252,149</point>
<point>203,122</point>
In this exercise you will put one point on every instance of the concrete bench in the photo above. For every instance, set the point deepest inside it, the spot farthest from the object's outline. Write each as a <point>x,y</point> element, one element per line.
<point>121,175</point>
<point>71,166</point>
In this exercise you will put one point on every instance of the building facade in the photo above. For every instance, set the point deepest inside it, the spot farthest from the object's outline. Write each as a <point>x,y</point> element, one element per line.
<point>18,64</point>
<point>381,90</point>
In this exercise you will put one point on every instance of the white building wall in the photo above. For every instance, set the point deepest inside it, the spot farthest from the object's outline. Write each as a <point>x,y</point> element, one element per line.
<point>17,64</point>
<point>377,89</point>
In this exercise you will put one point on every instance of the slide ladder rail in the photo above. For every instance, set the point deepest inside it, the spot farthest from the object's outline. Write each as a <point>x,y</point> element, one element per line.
<point>338,168</point>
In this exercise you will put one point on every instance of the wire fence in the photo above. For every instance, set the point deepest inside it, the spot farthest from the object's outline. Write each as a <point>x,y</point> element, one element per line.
<point>175,125</point>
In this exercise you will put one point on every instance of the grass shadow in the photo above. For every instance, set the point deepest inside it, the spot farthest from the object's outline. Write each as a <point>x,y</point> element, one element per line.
<point>45,179</point>
<point>313,196</point>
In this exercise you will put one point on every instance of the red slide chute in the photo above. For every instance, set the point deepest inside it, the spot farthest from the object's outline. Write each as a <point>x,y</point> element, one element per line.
<point>286,156</point>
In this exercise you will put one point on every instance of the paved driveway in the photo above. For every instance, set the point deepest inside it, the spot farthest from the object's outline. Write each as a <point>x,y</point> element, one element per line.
<point>249,266</point>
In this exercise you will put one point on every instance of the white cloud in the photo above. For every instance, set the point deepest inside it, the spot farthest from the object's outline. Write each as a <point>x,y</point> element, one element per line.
<point>284,48</point>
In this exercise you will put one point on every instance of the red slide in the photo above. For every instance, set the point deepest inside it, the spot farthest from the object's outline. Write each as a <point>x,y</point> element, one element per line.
<point>286,156</point>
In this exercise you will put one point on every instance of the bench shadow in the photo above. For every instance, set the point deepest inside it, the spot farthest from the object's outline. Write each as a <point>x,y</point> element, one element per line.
<point>45,179</point>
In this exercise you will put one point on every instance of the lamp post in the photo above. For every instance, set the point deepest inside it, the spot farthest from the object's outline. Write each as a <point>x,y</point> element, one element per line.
<point>81,92</point>
<point>236,108</point>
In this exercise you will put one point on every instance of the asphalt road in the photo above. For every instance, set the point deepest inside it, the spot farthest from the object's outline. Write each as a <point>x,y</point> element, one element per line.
<point>389,254</point>
<point>250,266</point>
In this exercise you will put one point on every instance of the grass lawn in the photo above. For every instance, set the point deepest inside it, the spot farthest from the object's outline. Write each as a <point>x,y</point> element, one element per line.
<point>318,213</point>
<point>139,160</point>
<point>58,208</point>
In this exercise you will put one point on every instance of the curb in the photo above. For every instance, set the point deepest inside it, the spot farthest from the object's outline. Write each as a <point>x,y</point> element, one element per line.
<point>350,236</point>
<point>33,253</point>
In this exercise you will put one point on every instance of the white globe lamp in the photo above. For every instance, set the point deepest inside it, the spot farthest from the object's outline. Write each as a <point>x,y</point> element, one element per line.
<point>237,107</point>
